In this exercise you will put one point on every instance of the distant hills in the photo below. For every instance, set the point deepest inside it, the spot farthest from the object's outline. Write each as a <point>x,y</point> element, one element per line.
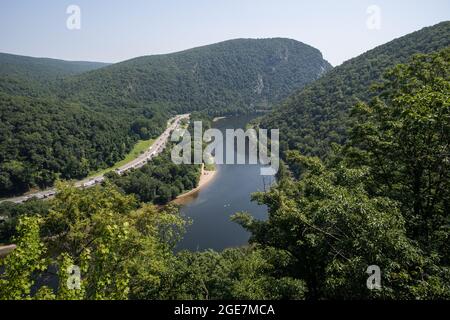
<point>318,115</point>
<point>39,68</point>
<point>65,119</point>
<point>17,72</point>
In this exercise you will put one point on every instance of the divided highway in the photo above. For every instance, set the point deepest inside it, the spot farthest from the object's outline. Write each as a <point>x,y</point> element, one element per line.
<point>155,149</point>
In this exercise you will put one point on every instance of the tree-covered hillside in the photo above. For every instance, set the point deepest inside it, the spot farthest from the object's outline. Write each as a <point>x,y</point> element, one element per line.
<point>43,139</point>
<point>22,74</point>
<point>39,68</point>
<point>56,122</point>
<point>235,75</point>
<point>318,115</point>
<point>381,201</point>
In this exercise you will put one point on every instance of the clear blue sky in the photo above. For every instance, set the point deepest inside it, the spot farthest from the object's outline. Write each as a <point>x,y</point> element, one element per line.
<point>113,30</point>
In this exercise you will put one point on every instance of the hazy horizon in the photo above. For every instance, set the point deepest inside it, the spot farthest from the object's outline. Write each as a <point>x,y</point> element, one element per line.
<point>115,31</point>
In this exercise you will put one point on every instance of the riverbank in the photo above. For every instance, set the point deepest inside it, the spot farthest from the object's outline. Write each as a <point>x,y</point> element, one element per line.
<point>206,177</point>
<point>229,192</point>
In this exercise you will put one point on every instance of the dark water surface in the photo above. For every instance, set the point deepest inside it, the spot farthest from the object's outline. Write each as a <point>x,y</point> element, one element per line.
<point>229,192</point>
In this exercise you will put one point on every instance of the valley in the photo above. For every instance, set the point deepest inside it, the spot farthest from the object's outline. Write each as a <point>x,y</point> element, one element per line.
<point>99,202</point>
<point>154,150</point>
<point>211,207</point>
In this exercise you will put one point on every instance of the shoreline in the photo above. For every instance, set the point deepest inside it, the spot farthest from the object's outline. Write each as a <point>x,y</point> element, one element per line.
<point>205,178</point>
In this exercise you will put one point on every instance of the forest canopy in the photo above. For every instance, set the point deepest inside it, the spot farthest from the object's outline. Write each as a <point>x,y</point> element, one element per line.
<point>65,120</point>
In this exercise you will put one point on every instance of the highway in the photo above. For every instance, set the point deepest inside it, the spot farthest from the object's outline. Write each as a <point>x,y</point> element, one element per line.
<point>155,149</point>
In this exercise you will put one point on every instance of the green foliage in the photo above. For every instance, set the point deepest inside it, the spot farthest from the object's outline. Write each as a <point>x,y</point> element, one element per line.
<point>42,140</point>
<point>228,77</point>
<point>60,122</point>
<point>43,69</point>
<point>402,136</point>
<point>20,265</point>
<point>159,181</point>
<point>120,249</point>
<point>127,252</point>
<point>11,212</point>
<point>317,116</point>
<point>382,200</point>
<point>247,273</point>
<point>29,76</point>
<point>327,221</point>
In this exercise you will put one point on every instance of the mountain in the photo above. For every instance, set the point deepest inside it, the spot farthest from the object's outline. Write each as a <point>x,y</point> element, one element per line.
<point>37,68</point>
<point>318,115</point>
<point>33,76</point>
<point>59,120</point>
<point>231,76</point>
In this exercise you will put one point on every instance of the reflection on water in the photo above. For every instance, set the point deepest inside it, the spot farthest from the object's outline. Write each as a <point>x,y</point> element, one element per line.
<point>211,207</point>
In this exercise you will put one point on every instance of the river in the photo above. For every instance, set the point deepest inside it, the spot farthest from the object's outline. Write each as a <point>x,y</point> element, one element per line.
<point>211,207</point>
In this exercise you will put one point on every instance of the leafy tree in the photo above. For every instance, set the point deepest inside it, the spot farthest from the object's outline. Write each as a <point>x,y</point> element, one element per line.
<point>382,200</point>
<point>403,136</point>
<point>21,264</point>
<point>317,116</point>
<point>121,251</point>
<point>328,222</point>
<point>244,273</point>
<point>159,181</point>
<point>11,213</point>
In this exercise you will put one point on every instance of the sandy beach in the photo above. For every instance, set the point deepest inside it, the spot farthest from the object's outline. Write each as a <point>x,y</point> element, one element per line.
<point>205,178</point>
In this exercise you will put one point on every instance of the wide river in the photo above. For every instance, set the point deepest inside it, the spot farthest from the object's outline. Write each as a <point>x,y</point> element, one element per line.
<point>211,207</point>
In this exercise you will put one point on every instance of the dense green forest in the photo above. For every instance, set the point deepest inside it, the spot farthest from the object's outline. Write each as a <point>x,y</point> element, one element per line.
<point>45,139</point>
<point>317,116</point>
<point>159,181</point>
<point>43,69</point>
<point>232,76</point>
<point>126,251</point>
<point>21,75</point>
<point>382,198</point>
<point>59,121</point>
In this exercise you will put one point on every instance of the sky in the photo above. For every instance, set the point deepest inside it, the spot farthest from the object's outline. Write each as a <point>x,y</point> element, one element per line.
<point>114,30</point>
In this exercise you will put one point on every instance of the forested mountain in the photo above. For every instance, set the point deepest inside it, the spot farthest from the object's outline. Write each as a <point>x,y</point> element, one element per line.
<point>382,200</point>
<point>235,75</point>
<point>58,121</point>
<point>318,115</point>
<point>22,74</point>
<point>39,68</point>
<point>43,139</point>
